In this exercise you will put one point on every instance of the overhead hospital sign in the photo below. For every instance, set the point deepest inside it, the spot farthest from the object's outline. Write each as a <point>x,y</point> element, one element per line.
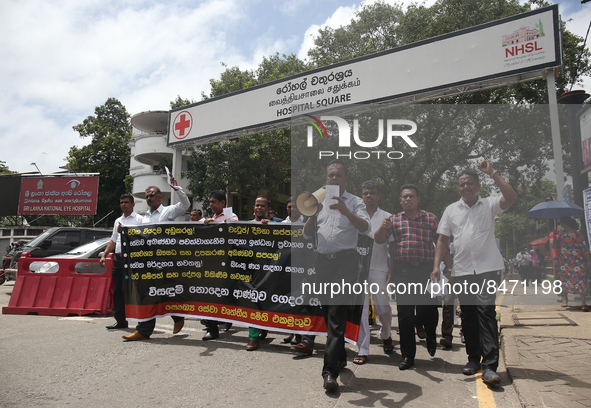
<point>511,50</point>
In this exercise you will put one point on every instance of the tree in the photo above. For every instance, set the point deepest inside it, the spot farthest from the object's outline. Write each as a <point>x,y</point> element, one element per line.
<point>254,162</point>
<point>178,102</point>
<point>448,144</point>
<point>108,154</point>
<point>514,228</point>
<point>4,168</point>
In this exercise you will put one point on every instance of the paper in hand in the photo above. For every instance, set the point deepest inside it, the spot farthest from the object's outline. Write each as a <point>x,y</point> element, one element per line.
<point>228,214</point>
<point>168,174</point>
<point>331,191</point>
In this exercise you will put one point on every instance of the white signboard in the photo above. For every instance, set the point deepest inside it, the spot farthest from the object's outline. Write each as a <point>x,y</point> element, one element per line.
<point>517,48</point>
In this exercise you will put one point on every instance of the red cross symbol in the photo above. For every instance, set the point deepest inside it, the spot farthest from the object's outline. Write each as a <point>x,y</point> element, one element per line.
<point>183,123</point>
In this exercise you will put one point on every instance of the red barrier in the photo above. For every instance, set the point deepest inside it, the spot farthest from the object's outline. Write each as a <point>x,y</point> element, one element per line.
<point>78,287</point>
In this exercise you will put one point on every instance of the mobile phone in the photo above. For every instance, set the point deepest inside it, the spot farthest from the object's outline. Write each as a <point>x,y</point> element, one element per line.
<point>484,165</point>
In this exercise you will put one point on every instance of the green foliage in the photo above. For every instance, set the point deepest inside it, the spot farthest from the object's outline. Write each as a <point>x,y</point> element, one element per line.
<point>448,144</point>
<point>179,102</point>
<point>107,154</point>
<point>253,162</point>
<point>513,227</point>
<point>4,168</point>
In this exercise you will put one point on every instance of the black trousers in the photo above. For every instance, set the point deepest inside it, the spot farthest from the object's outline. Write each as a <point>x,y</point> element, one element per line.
<point>335,309</point>
<point>479,320</point>
<point>147,328</point>
<point>212,327</point>
<point>447,316</point>
<point>118,297</point>
<point>408,304</point>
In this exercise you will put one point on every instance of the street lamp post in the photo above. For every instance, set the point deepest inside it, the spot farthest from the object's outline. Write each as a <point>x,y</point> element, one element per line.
<point>35,164</point>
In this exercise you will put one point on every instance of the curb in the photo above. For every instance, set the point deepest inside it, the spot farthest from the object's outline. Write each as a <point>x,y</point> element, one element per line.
<point>527,395</point>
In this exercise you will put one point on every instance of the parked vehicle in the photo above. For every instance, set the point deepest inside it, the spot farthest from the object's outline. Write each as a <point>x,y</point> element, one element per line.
<point>54,241</point>
<point>2,276</point>
<point>14,247</point>
<point>89,251</point>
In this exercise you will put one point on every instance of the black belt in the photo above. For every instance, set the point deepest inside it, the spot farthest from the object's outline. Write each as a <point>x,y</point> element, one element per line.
<point>338,254</point>
<point>416,263</point>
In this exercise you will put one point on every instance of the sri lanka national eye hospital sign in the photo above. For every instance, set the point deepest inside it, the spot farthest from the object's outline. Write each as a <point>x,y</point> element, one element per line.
<point>72,195</point>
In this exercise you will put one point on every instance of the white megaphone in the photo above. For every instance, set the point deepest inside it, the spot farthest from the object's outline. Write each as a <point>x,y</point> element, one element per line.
<point>308,204</point>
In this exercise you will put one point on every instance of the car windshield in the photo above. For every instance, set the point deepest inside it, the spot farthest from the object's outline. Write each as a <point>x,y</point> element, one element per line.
<point>39,239</point>
<point>88,247</point>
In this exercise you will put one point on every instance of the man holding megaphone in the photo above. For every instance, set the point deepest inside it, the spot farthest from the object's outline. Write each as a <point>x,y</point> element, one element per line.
<point>336,229</point>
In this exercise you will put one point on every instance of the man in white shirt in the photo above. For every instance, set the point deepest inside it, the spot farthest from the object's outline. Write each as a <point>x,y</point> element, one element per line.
<point>128,218</point>
<point>378,275</point>
<point>293,215</point>
<point>159,213</point>
<point>476,261</point>
<point>336,261</point>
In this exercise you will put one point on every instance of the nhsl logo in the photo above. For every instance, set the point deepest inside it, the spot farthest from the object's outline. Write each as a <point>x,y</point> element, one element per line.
<point>392,130</point>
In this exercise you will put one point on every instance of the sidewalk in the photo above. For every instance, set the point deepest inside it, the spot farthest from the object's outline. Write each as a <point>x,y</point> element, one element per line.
<point>547,352</point>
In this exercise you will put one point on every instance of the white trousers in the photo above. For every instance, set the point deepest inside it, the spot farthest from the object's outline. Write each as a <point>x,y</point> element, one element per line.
<point>383,309</point>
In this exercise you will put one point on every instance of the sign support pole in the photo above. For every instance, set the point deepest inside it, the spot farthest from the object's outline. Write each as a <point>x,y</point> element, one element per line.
<point>553,106</point>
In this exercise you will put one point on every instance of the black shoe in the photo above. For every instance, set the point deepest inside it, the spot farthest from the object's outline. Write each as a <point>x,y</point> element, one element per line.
<point>227,326</point>
<point>330,383</point>
<point>209,336</point>
<point>445,342</point>
<point>406,363</point>
<point>490,377</point>
<point>471,368</point>
<point>431,347</point>
<point>263,334</point>
<point>118,326</point>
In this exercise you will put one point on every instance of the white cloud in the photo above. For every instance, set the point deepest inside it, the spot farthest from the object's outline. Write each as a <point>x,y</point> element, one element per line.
<point>61,59</point>
<point>341,17</point>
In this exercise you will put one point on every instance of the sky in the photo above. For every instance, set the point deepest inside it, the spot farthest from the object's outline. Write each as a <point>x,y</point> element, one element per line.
<point>62,58</point>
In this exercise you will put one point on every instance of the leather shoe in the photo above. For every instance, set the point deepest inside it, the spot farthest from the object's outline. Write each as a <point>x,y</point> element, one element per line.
<point>445,342</point>
<point>209,336</point>
<point>330,383</point>
<point>289,338</point>
<point>118,326</point>
<point>490,377</point>
<point>263,334</point>
<point>252,345</point>
<point>227,326</point>
<point>421,332</point>
<point>471,368</point>
<point>431,347</point>
<point>406,363</point>
<point>178,326</point>
<point>135,336</point>
<point>303,347</point>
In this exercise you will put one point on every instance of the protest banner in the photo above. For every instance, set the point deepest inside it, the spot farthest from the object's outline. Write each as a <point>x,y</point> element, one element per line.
<point>244,272</point>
